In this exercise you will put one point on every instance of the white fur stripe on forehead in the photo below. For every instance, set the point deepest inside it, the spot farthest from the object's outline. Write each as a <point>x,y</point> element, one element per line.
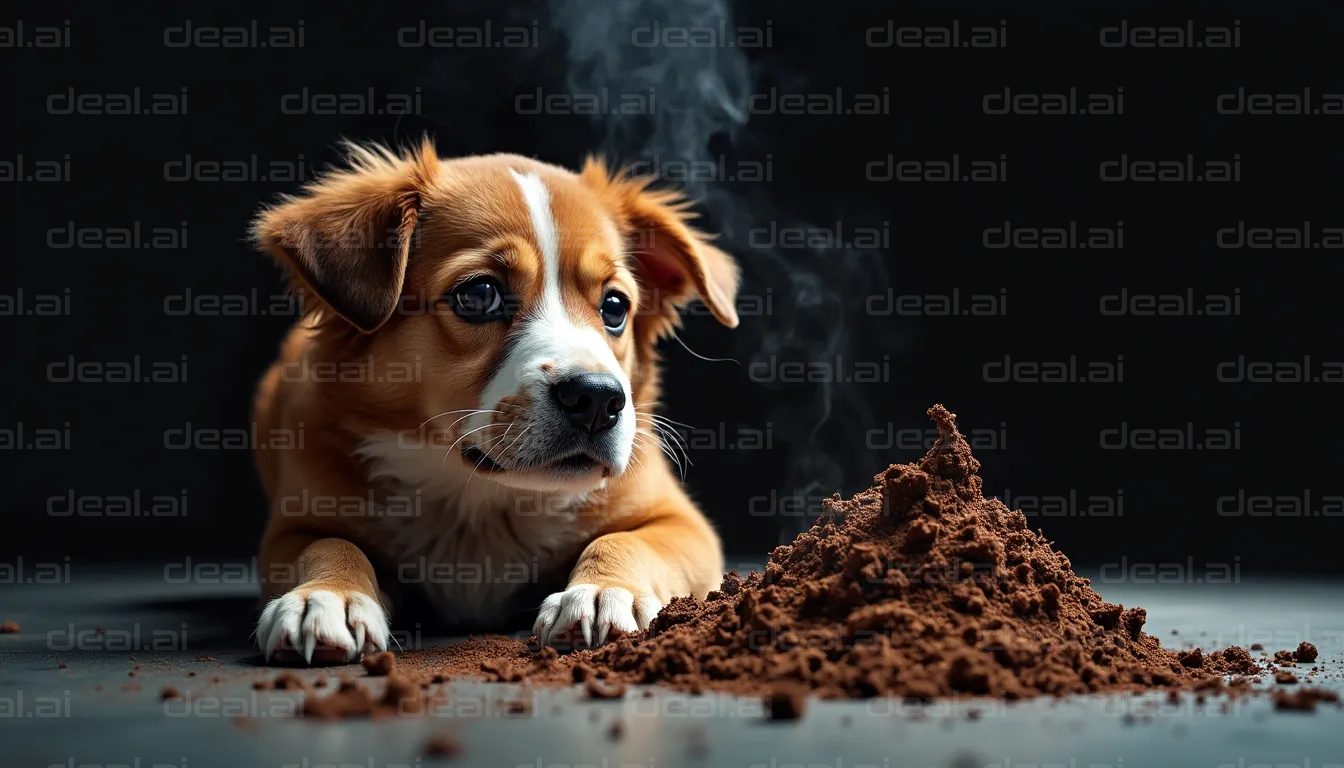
<point>538,200</point>
<point>549,346</point>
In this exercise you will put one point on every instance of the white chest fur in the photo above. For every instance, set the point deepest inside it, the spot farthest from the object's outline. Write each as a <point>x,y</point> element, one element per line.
<point>466,545</point>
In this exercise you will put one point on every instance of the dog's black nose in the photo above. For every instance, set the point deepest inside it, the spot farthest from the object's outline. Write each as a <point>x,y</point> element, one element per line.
<point>592,401</point>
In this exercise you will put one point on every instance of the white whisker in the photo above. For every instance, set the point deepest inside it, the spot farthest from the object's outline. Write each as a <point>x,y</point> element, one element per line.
<point>485,454</point>
<point>675,438</point>
<point>509,447</point>
<point>677,339</point>
<point>469,411</point>
<point>460,439</point>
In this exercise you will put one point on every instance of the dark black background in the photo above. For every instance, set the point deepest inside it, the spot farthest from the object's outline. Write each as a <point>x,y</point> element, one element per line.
<point>1291,171</point>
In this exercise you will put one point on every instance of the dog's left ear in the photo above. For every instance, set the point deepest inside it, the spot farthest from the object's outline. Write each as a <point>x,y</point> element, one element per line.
<point>675,262</point>
<point>347,237</point>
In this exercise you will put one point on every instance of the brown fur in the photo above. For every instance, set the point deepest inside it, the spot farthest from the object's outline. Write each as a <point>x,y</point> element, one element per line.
<point>378,243</point>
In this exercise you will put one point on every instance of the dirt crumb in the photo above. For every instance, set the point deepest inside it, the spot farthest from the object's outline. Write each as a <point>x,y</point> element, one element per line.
<point>444,745</point>
<point>289,681</point>
<point>518,707</point>
<point>786,702</point>
<point>1304,699</point>
<point>9,628</point>
<point>600,689</point>
<point>380,664</point>
<point>401,695</point>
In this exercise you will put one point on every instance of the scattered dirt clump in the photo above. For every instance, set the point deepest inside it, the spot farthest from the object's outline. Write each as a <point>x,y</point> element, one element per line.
<point>599,689</point>
<point>444,745</point>
<point>1304,699</point>
<point>786,702</point>
<point>9,628</point>
<point>380,664</point>
<point>1306,652</point>
<point>290,681</point>
<point>1234,660</point>
<point>518,707</point>
<point>401,696</point>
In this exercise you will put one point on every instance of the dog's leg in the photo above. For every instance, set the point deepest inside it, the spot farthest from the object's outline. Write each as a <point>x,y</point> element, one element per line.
<point>324,604</point>
<point>622,579</point>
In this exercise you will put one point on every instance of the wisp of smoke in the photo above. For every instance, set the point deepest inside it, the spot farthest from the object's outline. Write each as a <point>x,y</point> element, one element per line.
<point>700,96</point>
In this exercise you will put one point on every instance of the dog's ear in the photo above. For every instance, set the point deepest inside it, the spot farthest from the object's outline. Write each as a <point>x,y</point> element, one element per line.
<point>347,236</point>
<point>675,262</point>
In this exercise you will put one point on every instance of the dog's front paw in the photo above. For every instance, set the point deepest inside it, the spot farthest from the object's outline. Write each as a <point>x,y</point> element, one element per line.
<point>611,611</point>
<point>321,626</point>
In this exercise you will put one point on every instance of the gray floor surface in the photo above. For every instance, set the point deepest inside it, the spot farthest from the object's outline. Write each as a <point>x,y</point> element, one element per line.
<point>82,713</point>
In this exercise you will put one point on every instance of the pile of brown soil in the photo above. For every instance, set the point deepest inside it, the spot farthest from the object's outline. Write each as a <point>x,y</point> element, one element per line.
<point>919,587</point>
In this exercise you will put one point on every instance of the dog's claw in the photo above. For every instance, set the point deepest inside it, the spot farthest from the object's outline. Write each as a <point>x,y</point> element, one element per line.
<point>359,638</point>
<point>612,611</point>
<point>338,622</point>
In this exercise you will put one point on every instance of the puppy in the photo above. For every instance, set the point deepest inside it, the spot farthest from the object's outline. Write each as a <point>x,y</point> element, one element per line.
<point>473,384</point>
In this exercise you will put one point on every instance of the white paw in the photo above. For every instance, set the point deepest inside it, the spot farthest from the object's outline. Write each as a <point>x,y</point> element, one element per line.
<point>335,627</point>
<point>610,611</point>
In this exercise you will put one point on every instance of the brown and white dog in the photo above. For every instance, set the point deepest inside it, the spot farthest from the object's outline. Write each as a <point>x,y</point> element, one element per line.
<point>474,387</point>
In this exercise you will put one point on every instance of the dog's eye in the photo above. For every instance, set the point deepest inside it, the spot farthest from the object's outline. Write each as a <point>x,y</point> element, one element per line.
<point>615,306</point>
<point>479,301</point>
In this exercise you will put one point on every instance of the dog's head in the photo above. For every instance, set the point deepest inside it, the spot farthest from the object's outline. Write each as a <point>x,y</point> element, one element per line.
<point>529,297</point>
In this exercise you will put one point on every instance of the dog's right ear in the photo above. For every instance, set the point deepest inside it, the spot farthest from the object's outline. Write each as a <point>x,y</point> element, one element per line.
<point>347,236</point>
<point>674,262</point>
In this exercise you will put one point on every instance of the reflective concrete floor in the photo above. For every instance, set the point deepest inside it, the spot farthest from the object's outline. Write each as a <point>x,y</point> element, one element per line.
<point>67,698</point>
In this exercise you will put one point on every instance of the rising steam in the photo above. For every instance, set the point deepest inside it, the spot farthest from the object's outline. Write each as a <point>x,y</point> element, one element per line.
<point>703,96</point>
